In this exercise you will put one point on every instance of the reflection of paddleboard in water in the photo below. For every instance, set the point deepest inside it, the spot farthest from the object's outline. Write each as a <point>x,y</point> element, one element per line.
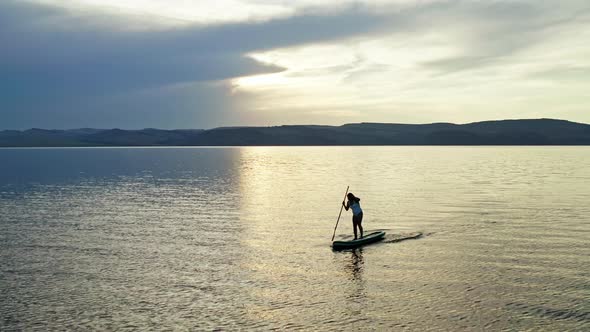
<point>392,238</point>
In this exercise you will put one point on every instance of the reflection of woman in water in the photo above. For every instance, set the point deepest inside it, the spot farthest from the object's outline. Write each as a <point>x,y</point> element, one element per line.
<point>357,262</point>
<point>356,288</point>
<point>357,213</point>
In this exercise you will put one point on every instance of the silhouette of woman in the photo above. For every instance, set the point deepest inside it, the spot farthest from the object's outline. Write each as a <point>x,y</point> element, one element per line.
<point>357,213</point>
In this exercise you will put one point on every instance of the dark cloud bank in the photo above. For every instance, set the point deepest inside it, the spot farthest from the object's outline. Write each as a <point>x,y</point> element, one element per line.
<point>61,71</point>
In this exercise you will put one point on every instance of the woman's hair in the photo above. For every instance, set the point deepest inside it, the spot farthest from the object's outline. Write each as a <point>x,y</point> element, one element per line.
<point>352,197</point>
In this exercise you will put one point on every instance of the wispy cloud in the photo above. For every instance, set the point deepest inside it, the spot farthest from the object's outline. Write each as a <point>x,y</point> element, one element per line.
<point>445,61</point>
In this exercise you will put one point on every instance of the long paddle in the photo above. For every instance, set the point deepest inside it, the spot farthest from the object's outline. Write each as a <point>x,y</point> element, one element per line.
<point>341,207</point>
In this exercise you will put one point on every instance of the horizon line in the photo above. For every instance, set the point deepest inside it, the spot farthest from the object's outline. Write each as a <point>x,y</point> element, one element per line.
<point>298,125</point>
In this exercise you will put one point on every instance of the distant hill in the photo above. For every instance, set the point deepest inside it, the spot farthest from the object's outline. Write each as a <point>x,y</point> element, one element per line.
<point>505,132</point>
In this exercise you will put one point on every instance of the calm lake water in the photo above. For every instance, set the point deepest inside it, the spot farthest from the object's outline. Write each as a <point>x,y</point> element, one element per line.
<point>239,238</point>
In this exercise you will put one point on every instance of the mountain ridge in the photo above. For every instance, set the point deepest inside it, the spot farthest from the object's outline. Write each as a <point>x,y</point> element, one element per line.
<point>495,132</point>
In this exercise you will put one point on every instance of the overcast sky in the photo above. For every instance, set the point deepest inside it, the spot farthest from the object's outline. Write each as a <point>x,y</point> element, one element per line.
<point>202,64</point>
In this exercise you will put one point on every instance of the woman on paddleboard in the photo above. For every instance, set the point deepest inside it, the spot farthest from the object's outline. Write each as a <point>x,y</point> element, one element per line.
<point>357,213</point>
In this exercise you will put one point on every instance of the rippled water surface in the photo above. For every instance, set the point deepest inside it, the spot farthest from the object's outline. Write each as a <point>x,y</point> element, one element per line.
<point>239,238</point>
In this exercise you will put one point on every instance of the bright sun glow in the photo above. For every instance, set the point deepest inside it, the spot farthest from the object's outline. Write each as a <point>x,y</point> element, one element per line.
<point>261,81</point>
